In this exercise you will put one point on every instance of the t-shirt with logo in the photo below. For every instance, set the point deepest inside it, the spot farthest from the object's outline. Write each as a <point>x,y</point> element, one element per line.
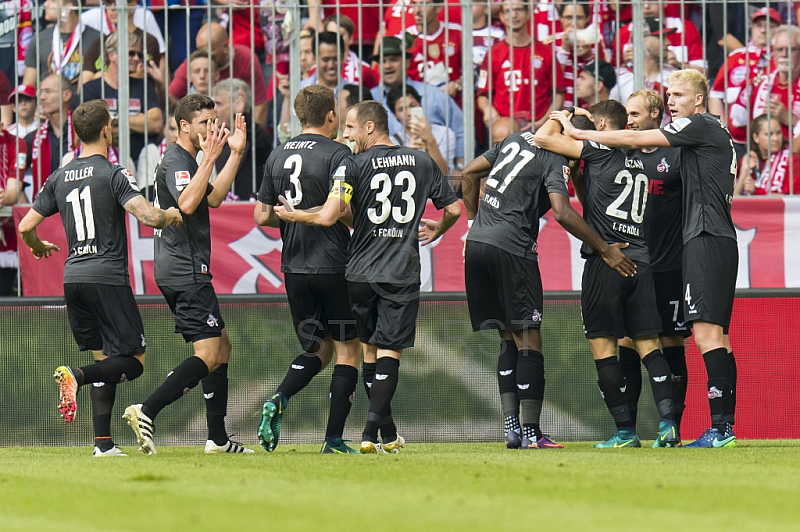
<point>182,254</point>
<point>616,197</point>
<point>301,171</point>
<point>516,194</point>
<point>662,218</point>
<point>708,169</point>
<point>388,188</point>
<point>141,100</point>
<point>40,53</point>
<point>89,193</point>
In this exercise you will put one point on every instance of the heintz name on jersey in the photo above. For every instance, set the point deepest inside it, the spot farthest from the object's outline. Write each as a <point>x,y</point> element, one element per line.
<point>299,145</point>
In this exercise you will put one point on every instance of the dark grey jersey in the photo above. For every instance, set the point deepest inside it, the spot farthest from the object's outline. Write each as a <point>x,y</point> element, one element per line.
<point>616,197</point>
<point>301,171</point>
<point>662,218</point>
<point>516,194</point>
<point>390,188</point>
<point>89,193</point>
<point>182,254</point>
<point>708,169</point>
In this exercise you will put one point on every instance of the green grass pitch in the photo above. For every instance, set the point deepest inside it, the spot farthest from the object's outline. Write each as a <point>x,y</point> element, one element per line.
<point>434,487</point>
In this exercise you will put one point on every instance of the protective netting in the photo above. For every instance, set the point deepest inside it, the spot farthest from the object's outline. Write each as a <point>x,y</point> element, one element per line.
<point>447,390</point>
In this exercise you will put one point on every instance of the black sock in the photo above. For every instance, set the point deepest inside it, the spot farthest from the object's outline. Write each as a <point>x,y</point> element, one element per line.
<point>530,386</point>
<point>660,382</point>
<point>507,384</point>
<point>676,358</point>
<point>387,423</point>
<point>734,377</point>
<point>177,384</point>
<point>612,386</point>
<point>215,392</point>
<point>112,369</point>
<point>718,369</point>
<point>383,387</point>
<point>103,395</point>
<point>343,386</point>
<point>302,370</point>
<point>631,366</point>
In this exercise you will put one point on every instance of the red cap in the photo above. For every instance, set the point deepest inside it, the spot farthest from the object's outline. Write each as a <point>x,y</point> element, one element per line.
<point>23,90</point>
<point>768,12</point>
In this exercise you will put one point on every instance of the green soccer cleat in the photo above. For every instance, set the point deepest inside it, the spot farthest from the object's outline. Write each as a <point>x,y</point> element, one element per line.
<point>337,446</point>
<point>623,438</point>
<point>667,435</point>
<point>270,428</point>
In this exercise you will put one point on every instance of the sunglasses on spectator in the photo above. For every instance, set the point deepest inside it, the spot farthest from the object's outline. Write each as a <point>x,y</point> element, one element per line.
<point>135,54</point>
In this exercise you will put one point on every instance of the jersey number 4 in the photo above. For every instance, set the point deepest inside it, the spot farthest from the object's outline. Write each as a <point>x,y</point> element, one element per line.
<point>636,184</point>
<point>383,183</point>
<point>512,150</point>
<point>84,227</point>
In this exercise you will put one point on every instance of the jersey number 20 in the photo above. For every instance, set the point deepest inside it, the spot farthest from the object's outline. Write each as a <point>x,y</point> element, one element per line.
<point>637,184</point>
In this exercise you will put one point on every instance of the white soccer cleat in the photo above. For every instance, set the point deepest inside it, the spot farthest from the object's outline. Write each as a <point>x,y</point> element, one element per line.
<point>114,451</point>
<point>394,446</point>
<point>229,447</point>
<point>142,426</point>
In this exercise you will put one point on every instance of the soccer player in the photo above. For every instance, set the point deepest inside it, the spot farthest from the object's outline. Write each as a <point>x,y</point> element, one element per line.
<point>710,253</point>
<point>614,195</point>
<point>504,287</point>
<point>91,195</point>
<point>662,233</point>
<point>182,269</point>
<point>387,187</point>
<point>313,262</point>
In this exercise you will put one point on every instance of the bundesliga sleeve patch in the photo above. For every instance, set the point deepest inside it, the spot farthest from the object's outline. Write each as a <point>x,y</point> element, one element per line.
<point>182,178</point>
<point>341,190</point>
<point>565,172</point>
<point>131,179</point>
<point>677,125</point>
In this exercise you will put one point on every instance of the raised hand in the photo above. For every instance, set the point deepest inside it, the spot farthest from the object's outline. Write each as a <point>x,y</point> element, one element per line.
<point>238,140</point>
<point>216,137</point>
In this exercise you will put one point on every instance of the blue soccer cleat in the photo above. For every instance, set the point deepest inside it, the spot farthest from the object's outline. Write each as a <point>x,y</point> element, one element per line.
<point>712,438</point>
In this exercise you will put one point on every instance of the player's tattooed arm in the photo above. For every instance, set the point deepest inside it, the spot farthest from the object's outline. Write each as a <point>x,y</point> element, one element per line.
<point>570,220</point>
<point>153,216</point>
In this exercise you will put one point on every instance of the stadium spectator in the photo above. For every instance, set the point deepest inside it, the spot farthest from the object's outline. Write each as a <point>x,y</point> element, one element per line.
<point>102,312</point>
<point>48,53</point>
<point>330,52</point>
<point>439,108</point>
<point>348,97</point>
<point>181,25</point>
<point>203,74</point>
<point>54,142</point>
<point>366,16</point>
<point>532,102</point>
<point>232,97</point>
<point>383,273</point>
<point>615,306</point>
<point>15,36</point>
<point>484,35</point>
<point>656,71</point>
<point>308,56</point>
<point>778,92</point>
<point>354,70</point>
<point>233,61</point>
<point>151,155</point>
<point>24,97</point>
<point>436,52</point>
<point>685,41</point>
<point>242,19</point>
<point>106,17</point>
<point>595,82</point>
<point>770,167</point>
<point>743,67</point>
<point>398,17</point>
<point>438,141</point>
<point>273,14</point>
<point>12,155</point>
<point>182,270</point>
<point>144,117</point>
<point>314,275</point>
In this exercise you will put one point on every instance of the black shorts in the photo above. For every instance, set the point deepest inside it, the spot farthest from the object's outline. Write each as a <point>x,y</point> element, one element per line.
<point>105,317</point>
<point>669,296</point>
<point>196,311</point>
<point>504,291</point>
<point>617,306</point>
<point>385,314</point>
<point>710,265</point>
<point>320,305</point>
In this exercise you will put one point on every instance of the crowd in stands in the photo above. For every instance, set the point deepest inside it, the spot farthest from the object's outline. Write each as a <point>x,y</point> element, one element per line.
<point>527,60</point>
